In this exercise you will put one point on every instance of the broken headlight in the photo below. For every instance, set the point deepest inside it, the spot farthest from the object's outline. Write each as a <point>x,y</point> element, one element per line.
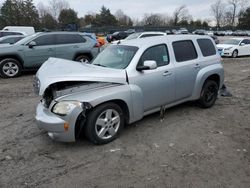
<point>65,107</point>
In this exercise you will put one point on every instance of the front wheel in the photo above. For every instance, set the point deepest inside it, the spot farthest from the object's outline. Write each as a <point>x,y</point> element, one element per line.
<point>83,59</point>
<point>235,54</point>
<point>10,68</point>
<point>209,94</point>
<point>104,123</point>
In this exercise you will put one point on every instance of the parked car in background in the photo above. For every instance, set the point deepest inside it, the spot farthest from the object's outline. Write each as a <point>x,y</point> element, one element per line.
<point>199,32</point>
<point>234,47</point>
<point>124,83</point>
<point>24,29</point>
<point>141,35</point>
<point>210,33</point>
<point>175,32</point>
<point>10,39</point>
<point>168,32</point>
<point>228,32</point>
<point>117,36</point>
<point>215,38</point>
<point>183,31</point>
<point>32,51</point>
<point>219,33</point>
<point>7,33</point>
<point>240,33</point>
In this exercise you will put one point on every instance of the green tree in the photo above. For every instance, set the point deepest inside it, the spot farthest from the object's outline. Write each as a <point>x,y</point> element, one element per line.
<point>48,22</point>
<point>19,12</point>
<point>244,19</point>
<point>68,16</point>
<point>30,14</point>
<point>105,18</point>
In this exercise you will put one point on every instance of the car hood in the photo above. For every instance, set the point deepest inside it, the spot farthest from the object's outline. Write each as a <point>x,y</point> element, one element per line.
<point>56,70</point>
<point>5,45</point>
<point>225,45</point>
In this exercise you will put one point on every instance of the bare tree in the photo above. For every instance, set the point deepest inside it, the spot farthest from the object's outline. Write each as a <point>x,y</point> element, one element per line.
<point>181,14</point>
<point>56,6</point>
<point>42,9</point>
<point>218,9</point>
<point>123,19</point>
<point>236,4</point>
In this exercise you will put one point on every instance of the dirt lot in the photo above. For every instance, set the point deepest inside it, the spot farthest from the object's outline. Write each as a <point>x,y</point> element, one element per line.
<point>190,148</point>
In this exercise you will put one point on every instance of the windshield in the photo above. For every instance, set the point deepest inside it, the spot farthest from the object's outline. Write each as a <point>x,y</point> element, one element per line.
<point>26,39</point>
<point>231,41</point>
<point>133,36</point>
<point>115,56</point>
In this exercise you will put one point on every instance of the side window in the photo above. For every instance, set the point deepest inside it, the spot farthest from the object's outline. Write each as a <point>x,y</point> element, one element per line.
<point>150,35</point>
<point>184,50</point>
<point>156,53</point>
<point>207,47</point>
<point>69,39</point>
<point>246,41</point>
<point>45,40</point>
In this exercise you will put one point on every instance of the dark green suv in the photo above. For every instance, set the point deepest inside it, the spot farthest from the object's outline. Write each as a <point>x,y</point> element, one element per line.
<point>32,51</point>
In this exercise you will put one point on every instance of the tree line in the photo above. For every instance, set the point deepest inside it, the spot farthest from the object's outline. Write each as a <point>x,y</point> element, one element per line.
<point>58,14</point>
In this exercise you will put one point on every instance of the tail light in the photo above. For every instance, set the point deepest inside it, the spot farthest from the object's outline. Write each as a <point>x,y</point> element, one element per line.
<point>97,45</point>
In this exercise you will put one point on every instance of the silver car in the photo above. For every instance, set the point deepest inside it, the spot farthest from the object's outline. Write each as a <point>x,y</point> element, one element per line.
<point>124,83</point>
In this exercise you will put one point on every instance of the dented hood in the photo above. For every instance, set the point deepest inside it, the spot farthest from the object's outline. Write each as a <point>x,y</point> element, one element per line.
<point>59,70</point>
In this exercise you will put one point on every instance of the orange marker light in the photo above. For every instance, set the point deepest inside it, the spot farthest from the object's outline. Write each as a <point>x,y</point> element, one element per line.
<point>66,126</point>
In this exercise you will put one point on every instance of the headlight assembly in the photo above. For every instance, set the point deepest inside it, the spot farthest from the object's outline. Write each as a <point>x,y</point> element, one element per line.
<point>228,48</point>
<point>65,107</point>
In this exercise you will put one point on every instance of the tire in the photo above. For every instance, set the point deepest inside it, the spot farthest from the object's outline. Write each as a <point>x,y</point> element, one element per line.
<point>209,94</point>
<point>235,54</point>
<point>104,123</point>
<point>83,59</point>
<point>10,68</point>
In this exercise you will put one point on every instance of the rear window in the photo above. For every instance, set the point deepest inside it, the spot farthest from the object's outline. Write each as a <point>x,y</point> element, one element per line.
<point>184,50</point>
<point>207,47</point>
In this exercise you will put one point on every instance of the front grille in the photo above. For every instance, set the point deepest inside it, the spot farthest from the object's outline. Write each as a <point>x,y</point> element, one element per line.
<point>47,97</point>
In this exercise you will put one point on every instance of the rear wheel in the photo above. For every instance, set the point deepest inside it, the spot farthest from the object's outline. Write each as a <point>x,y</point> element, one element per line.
<point>209,94</point>
<point>235,54</point>
<point>10,68</point>
<point>104,123</point>
<point>83,59</point>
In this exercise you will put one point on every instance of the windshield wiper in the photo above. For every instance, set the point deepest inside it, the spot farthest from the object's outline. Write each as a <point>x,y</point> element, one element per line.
<point>99,65</point>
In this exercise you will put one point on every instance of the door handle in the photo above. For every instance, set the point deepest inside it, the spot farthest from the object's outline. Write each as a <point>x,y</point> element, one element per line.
<point>50,49</point>
<point>75,46</point>
<point>197,66</point>
<point>167,73</point>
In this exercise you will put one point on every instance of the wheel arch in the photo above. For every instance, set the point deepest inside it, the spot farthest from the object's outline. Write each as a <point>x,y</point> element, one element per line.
<point>88,54</point>
<point>13,56</point>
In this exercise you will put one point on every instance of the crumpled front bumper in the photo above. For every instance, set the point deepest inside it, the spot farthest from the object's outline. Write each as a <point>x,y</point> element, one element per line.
<point>55,125</point>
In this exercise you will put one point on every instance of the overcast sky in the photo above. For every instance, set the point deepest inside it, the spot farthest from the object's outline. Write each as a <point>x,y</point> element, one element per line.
<point>199,9</point>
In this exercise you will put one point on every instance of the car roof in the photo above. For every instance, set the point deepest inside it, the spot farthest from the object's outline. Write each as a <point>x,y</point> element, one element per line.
<point>150,41</point>
<point>12,36</point>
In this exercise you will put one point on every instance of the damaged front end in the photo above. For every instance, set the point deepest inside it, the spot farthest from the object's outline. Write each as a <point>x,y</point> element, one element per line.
<point>64,119</point>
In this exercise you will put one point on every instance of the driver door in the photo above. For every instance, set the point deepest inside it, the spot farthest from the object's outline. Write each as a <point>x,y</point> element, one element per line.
<point>157,85</point>
<point>45,48</point>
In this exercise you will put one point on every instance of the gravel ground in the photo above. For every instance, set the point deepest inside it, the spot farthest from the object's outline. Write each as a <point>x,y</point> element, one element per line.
<point>191,147</point>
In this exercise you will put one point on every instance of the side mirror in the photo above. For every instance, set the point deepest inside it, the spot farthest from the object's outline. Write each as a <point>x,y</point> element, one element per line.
<point>32,44</point>
<point>242,44</point>
<point>147,65</point>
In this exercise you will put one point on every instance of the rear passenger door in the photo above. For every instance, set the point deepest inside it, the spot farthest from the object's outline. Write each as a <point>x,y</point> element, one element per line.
<point>68,45</point>
<point>186,68</point>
